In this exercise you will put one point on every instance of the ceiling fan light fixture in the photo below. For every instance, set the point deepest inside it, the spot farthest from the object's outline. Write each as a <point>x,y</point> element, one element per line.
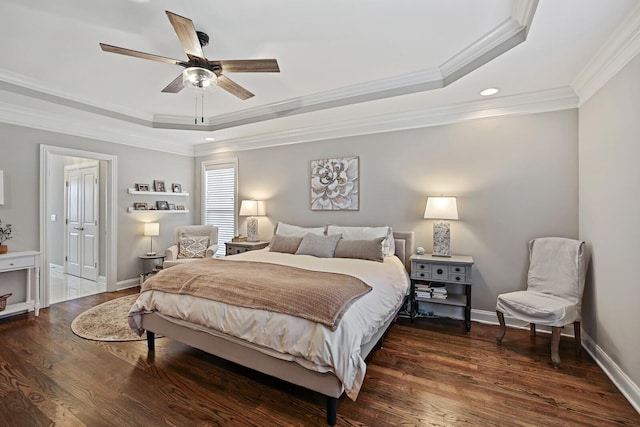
<point>197,77</point>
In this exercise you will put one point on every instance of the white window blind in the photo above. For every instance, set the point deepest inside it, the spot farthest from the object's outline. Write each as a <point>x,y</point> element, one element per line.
<point>219,207</point>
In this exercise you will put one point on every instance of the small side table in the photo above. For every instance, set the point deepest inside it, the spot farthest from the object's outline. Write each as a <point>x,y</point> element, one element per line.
<point>233,248</point>
<point>150,265</point>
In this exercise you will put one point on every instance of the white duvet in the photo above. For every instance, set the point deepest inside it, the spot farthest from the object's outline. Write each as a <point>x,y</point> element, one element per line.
<point>312,345</point>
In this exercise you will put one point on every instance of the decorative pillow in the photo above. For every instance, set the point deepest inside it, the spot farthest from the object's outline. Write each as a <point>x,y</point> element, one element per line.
<point>295,230</point>
<point>192,246</point>
<point>367,233</point>
<point>360,249</point>
<point>319,246</point>
<point>285,244</point>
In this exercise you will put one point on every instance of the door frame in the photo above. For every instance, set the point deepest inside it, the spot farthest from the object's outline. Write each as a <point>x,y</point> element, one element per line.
<point>111,224</point>
<point>67,168</point>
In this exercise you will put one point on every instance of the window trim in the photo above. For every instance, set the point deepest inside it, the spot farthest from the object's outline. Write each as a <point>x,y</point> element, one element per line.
<point>215,164</point>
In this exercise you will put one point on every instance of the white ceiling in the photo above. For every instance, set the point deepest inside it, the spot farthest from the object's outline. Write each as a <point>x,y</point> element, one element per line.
<point>347,66</point>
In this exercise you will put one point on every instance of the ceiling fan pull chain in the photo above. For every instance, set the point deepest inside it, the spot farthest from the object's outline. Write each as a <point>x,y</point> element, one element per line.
<point>202,106</point>
<point>195,116</point>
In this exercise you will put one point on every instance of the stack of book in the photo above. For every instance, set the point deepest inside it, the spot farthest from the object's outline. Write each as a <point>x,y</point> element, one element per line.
<point>438,290</point>
<point>423,291</point>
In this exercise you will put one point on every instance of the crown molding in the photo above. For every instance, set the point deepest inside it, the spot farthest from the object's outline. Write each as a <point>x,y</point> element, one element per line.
<point>620,48</point>
<point>59,123</point>
<point>528,103</point>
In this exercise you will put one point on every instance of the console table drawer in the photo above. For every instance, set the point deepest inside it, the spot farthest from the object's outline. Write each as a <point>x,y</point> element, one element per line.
<point>16,263</point>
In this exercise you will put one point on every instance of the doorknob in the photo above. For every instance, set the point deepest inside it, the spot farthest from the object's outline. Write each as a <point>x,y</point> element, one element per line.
<point>79,228</point>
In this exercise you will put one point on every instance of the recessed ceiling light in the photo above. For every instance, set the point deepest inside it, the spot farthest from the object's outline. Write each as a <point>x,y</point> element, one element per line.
<point>490,91</point>
<point>209,139</point>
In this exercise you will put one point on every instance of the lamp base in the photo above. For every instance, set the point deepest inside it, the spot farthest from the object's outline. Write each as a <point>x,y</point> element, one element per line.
<point>252,229</point>
<point>441,239</point>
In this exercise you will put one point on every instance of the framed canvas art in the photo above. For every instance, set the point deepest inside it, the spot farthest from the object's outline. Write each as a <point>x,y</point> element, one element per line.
<point>335,184</point>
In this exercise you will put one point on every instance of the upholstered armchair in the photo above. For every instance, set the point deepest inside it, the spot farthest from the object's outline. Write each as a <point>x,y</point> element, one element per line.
<point>192,242</point>
<point>555,282</point>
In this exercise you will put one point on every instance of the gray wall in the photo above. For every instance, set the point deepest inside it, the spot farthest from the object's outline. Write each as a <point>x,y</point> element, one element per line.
<point>516,178</point>
<point>20,159</point>
<point>610,216</point>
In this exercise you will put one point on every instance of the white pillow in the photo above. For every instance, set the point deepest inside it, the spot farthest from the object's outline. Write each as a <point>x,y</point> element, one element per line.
<point>367,233</point>
<point>295,230</point>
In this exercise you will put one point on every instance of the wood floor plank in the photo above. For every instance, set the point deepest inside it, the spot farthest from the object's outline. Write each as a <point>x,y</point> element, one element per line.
<point>428,373</point>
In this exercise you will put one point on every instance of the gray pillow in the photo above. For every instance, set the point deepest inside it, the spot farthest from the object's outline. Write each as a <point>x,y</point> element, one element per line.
<point>319,246</point>
<point>285,244</point>
<point>360,249</point>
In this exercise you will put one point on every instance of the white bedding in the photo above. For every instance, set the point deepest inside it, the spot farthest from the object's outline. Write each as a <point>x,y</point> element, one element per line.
<point>311,345</point>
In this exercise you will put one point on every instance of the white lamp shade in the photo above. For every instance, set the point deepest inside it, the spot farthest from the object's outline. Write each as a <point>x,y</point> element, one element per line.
<point>441,208</point>
<point>151,229</point>
<point>252,208</point>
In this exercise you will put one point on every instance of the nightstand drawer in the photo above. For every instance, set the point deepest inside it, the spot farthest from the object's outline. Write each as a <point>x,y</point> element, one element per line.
<point>440,272</point>
<point>232,250</point>
<point>458,278</point>
<point>16,263</point>
<point>456,269</point>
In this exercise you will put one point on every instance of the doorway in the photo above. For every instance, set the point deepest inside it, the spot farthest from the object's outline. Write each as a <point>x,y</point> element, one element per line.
<point>88,201</point>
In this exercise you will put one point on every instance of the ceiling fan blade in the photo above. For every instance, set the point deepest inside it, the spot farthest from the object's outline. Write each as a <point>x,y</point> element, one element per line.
<point>233,87</point>
<point>248,66</point>
<point>186,32</point>
<point>175,86</point>
<point>136,54</point>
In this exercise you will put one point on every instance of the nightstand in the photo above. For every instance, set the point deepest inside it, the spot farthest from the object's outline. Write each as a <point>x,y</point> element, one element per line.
<point>233,248</point>
<point>150,265</point>
<point>441,280</point>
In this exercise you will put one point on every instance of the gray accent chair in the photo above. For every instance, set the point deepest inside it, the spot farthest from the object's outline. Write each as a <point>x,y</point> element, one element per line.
<point>171,254</point>
<point>555,283</point>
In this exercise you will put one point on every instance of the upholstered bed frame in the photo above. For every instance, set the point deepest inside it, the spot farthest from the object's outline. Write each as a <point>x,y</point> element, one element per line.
<point>245,354</point>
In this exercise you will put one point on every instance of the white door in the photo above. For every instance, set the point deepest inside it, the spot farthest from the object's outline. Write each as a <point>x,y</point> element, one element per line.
<point>82,221</point>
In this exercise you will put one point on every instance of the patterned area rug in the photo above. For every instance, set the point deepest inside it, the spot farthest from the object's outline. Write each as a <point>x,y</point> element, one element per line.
<point>107,321</point>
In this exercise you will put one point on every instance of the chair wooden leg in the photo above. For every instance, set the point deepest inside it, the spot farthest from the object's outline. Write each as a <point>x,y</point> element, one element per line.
<point>577,338</point>
<point>555,346</point>
<point>532,328</point>
<point>503,327</point>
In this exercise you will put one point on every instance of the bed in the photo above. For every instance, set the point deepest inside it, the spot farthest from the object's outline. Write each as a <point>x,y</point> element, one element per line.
<point>337,368</point>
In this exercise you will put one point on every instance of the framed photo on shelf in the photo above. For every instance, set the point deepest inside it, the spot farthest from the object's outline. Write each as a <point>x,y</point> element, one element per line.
<point>159,186</point>
<point>162,205</point>
<point>180,207</point>
<point>172,207</point>
<point>140,206</point>
<point>177,188</point>
<point>143,187</point>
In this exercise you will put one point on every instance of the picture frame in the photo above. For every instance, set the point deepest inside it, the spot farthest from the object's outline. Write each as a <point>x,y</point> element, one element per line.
<point>162,205</point>
<point>180,207</point>
<point>140,206</point>
<point>159,186</point>
<point>335,184</point>
<point>172,207</point>
<point>143,187</point>
<point>177,188</point>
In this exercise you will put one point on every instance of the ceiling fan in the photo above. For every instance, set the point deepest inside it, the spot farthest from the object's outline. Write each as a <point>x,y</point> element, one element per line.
<point>199,71</point>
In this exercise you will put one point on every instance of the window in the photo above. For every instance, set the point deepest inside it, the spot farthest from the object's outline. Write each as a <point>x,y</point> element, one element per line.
<point>219,188</point>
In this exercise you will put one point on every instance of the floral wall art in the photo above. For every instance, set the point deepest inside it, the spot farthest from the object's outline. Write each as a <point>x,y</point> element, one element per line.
<point>335,184</point>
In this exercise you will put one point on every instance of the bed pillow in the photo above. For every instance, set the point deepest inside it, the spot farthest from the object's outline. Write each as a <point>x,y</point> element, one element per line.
<point>285,244</point>
<point>367,233</point>
<point>295,230</point>
<point>360,249</point>
<point>192,246</point>
<point>318,246</point>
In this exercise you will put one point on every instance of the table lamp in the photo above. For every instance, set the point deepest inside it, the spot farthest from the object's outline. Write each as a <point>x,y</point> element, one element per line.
<point>252,209</point>
<point>151,229</point>
<point>441,208</point>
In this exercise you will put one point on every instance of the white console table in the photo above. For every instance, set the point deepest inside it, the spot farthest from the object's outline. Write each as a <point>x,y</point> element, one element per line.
<point>30,261</point>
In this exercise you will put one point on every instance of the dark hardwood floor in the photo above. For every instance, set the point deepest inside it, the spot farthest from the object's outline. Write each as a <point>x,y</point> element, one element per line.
<point>429,373</point>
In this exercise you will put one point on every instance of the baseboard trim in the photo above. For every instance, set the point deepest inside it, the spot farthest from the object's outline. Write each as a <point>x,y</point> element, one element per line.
<point>627,387</point>
<point>127,284</point>
<point>491,318</point>
<point>621,380</point>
